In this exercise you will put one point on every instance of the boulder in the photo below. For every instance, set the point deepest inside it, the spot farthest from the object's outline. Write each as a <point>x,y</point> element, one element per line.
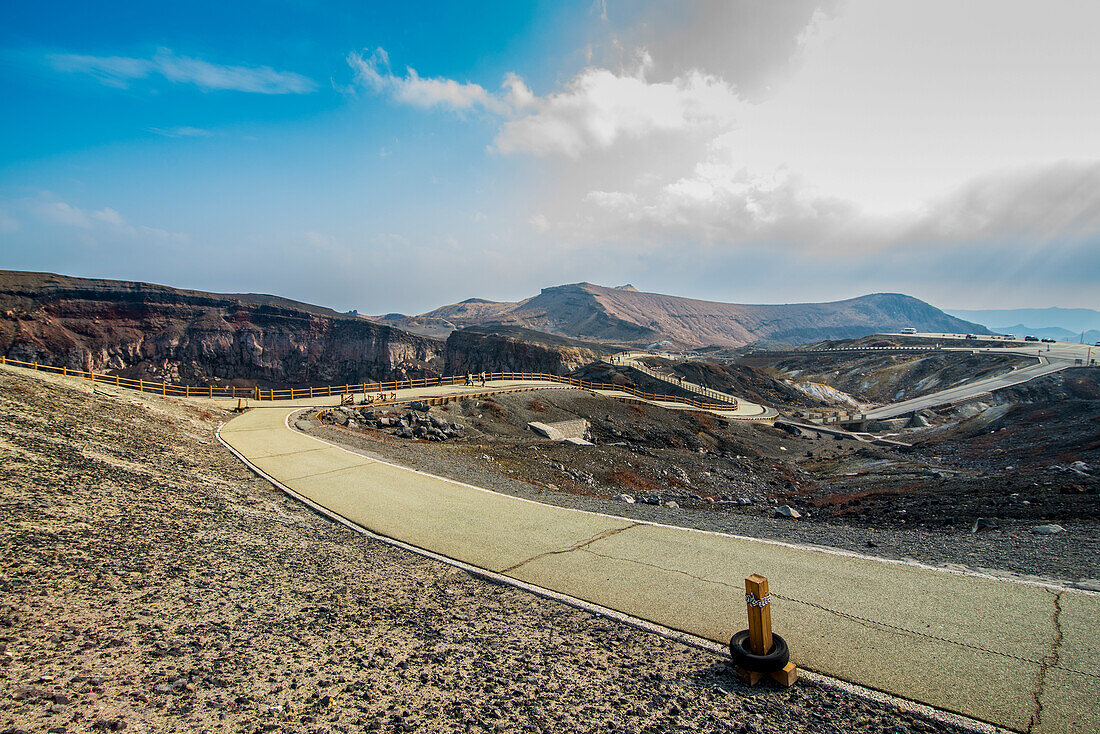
<point>419,405</point>
<point>1048,529</point>
<point>918,421</point>
<point>627,498</point>
<point>301,425</point>
<point>337,417</point>
<point>787,511</point>
<point>984,523</point>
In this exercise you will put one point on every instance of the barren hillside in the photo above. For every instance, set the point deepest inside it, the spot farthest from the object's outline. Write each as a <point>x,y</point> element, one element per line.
<point>626,315</point>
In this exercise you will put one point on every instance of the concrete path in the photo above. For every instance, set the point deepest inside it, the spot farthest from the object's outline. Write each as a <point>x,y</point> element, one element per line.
<point>1022,656</point>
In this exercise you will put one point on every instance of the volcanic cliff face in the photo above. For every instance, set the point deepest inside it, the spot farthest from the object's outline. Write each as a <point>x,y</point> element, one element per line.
<point>512,349</point>
<point>138,329</point>
<point>626,316</point>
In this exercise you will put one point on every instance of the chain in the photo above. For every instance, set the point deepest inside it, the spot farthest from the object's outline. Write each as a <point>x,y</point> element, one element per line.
<point>752,601</point>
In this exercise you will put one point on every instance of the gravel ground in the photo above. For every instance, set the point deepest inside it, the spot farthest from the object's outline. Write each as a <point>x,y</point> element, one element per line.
<point>150,583</point>
<point>497,454</point>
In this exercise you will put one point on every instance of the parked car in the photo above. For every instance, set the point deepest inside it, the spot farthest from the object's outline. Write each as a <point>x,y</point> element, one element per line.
<point>971,336</point>
<point>1045,340</point>
<point>1030,338</point>
<point>909,330</point>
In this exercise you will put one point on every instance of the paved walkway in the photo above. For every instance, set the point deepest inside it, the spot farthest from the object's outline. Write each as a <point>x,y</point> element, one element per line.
<point>1021,656</point>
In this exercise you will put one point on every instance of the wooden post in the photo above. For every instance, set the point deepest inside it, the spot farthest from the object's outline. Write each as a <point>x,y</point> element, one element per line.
<point>760,633</point>
<point>760,617</point>
<point>141,385</point>
<point>163,387</point>
<point>211,388</point>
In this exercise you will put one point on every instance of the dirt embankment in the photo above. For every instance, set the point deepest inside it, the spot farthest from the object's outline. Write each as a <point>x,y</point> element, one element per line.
<point>150,583</point>
<point>156,332</point>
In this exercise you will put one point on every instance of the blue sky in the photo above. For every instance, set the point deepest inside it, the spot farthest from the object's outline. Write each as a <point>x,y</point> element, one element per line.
<point>395,158</point>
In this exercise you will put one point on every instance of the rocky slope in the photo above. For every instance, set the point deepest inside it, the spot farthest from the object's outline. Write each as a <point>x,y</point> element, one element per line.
<point>871,378</point>
<point>513,349</point>
<point>138,329</point>
<point>625,315</point>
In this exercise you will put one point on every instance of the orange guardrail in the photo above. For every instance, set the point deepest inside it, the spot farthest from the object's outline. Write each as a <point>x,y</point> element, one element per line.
<point>256,393</point>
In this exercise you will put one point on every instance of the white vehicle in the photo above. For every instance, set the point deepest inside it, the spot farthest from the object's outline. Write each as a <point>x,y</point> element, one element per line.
<point>909,330</point>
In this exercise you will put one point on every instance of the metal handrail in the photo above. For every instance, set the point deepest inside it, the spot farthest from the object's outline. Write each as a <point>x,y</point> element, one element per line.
<point>256,393</point>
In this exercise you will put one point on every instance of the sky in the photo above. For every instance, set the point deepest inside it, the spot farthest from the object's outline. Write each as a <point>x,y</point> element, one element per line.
<point>398,157</point>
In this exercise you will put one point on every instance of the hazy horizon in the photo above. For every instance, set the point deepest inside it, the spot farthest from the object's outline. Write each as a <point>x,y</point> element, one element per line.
<point>396,159</point>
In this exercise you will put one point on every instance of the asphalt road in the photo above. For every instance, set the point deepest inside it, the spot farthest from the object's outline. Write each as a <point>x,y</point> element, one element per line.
<point>969,390</point>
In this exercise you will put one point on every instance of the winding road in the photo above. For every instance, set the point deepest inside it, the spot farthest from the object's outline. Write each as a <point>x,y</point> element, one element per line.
<point>1020,655</point>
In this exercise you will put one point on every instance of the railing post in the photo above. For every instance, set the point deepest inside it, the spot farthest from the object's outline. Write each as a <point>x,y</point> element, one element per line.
<point>141,385</point>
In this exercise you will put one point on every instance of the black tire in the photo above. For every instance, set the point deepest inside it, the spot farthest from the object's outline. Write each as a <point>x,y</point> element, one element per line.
<point>743,655</point>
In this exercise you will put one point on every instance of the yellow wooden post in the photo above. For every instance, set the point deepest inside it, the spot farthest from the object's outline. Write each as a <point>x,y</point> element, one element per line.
<point>65,371</point>
<point>141,385</point>
<point>187,391</point>
<point>163,387</point>
<point>211,390</point>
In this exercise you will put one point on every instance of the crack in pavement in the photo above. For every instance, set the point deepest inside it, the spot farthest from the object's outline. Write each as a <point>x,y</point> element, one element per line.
<point>291,453</point>
<point>579,546</point>
<point>330,471</point>
<point>1048,662</point>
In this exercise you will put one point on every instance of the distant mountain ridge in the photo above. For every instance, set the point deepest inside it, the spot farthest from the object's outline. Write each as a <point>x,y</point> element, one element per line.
<point>627,316</point>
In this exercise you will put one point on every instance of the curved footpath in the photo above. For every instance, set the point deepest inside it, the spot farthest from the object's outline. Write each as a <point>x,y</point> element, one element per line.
<point>1019,655</point>
<point>745,409</point>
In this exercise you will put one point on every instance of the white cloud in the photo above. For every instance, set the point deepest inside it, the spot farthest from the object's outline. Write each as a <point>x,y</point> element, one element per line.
<point>599,107</point>
<point>94,225</point>
<point>540,223</point>
<point>120,71</point>
<point>374,72</point>
<point>595,110</point>
<point>183,131</point>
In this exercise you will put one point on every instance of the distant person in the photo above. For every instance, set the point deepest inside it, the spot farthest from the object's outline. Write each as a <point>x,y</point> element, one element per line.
<point>469,379</point>
<point>483,378</point>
